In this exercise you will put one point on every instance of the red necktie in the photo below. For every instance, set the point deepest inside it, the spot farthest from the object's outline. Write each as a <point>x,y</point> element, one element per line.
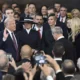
<point>62,20</point>
<point>15,44</point>
<point>39,34</point>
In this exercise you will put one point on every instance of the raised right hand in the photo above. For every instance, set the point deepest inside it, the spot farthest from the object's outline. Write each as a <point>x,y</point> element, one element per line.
<point>5,34</point>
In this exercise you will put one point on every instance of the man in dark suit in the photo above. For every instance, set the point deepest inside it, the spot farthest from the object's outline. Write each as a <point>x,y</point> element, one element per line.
<point>39,26</point>
<point>61,21</point>
<point>9,12</point>
<point>63,15</point>
<point>58,52</point>
<point>8,40</point>
<point>48,40</point>
<point>28,35</point>
<point>69,49</point>
<point>67,69</point>
<point>26,53</point>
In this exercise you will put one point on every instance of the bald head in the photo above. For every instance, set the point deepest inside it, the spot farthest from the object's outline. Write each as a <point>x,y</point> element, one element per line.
<point>26,51</point>
<point>68,67</point>
<point>3,60</point>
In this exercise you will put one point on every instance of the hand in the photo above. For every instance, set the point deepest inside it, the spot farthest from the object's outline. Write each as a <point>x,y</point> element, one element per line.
<point>13,64</point>
<point>42,52</point>
<point>46,70</point>
<point>34,51</point>
<point>32,72</point>
<point>25,76</point>
<point>26,66</point>
<point>49,58</point>
<point>52,62</point>
<point>5,34</point>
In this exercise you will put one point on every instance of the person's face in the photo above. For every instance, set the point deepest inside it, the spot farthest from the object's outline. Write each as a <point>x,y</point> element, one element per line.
<point>51,21</point>
<point>4,7</point>
<point>11,25</point>
<point>51,11</point>
<point>44,10</point>
<point>17,10</point>
<point>39,20</point>
<point>9,13</point>
<point>76,14</point>
<point>69,23</point>
<point>14,5</point>
<point>17,18</point>
<point>57,7</point>
<point>26,10</point>
<point>27,25</point>
<point>63,12</point>
<point>32,9</point>
<point>54,36</point>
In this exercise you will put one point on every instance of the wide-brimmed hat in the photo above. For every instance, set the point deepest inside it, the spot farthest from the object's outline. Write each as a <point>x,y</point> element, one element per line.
<point>28,20</point>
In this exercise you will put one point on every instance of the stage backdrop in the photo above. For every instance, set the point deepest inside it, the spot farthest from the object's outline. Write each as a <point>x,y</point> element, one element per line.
<point>70,4</point>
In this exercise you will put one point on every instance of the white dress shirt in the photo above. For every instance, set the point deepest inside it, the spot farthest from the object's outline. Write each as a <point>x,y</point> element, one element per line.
<point>28,30</point>
<point>41,29</point>
<point>64,19</point>
<point>69,75</point>
<point>60,59</point>
<point>60,37</point>
<point>49,78</point>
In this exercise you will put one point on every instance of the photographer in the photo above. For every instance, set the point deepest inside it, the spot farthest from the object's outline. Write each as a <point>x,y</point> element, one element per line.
<point>68,68</point>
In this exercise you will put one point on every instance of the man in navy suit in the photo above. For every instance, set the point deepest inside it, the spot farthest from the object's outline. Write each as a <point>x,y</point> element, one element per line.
<point>8,40</point>
<point>63,15</point>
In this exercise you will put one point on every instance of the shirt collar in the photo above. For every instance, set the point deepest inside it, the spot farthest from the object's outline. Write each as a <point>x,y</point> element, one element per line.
<point>28,30</point>
<point>63,17</point>
<point>69,75</point>
<point>9,31</point>
<point>60,59</point>
<point>60,37</point>
<point>38,28</point>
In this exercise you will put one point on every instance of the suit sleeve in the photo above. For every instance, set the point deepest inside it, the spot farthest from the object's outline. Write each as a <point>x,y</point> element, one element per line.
<point>1,41</point>
<point>60,76</point>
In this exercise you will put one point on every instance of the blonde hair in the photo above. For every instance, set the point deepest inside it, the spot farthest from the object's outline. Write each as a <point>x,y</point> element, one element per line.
<point>75,27</point>
<point>76,11</point>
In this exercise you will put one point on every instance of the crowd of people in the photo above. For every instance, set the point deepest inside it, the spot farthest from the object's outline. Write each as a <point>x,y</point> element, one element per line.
<point>51,33</point>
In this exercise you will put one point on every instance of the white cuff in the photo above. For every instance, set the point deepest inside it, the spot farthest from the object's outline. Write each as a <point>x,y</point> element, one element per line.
<point>4,39</point>
<point>49,78</point>
<point>58,71</point>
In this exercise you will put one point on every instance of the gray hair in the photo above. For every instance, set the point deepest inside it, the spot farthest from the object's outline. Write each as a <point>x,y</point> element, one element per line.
<point>7,20</point>
<point>3,60</point>
<point>57,30</point>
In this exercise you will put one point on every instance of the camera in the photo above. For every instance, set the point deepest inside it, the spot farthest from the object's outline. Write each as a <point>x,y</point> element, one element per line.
<point>39,58</point>
<point>9,56</point>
